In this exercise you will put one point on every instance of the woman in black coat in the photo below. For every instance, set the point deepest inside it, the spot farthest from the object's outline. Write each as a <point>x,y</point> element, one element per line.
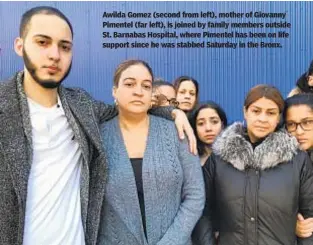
<point>257,179</point>
<point>299,123</point>
<point>207,120</point>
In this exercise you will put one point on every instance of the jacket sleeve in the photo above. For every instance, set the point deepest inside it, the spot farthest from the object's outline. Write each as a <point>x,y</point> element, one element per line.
<point>306,195</point>
<point>162,111</point>
<point>192,199</point>
<point>105,112</point>
<point>203,232</point>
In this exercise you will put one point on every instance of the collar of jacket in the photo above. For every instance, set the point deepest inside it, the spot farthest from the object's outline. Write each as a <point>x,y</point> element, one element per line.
<point>310,152</point>
<point>232,147</point>
<point>18,78</point>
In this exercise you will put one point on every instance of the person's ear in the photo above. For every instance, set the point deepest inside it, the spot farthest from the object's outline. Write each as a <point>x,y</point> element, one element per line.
<point>114,92</point>
<point>19,46</point>
<point>245,113</point>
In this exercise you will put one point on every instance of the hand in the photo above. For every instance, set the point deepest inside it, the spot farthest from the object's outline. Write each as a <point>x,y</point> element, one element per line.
<point>304,227</point>
<point>183,126</point>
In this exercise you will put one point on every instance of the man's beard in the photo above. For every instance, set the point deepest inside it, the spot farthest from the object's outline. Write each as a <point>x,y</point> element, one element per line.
<point>45,83</point>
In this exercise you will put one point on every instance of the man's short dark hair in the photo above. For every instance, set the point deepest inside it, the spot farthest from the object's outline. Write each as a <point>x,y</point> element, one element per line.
<point>27,16</point>
<point>160,82</point>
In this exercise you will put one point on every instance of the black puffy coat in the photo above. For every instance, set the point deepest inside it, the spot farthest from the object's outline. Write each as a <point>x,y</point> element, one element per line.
<point>254,195</point>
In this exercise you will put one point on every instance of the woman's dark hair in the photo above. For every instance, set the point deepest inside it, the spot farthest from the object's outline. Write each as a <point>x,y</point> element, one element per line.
<point>298,99</point>
<point>126,64</point>
<point>266,91</point>
<point>181,79</point>
<point>302,82</point>
<point>193,120</point>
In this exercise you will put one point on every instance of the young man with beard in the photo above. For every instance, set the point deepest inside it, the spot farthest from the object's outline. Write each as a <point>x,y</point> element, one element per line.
<point>52,164</point>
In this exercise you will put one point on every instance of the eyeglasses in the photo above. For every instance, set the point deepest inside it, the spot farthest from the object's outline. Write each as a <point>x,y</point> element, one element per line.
<point>306,125</point>
<point>162,100</point>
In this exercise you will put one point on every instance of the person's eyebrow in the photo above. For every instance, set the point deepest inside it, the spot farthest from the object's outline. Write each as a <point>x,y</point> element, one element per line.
<point>66,42</point>
<point>128,78</point>
<point>47,37</point>
<point>260,108</point>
